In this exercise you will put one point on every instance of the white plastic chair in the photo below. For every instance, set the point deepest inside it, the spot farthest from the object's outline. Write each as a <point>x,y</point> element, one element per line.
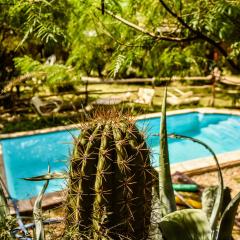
<point>145,96</point>
<point>45,107</point>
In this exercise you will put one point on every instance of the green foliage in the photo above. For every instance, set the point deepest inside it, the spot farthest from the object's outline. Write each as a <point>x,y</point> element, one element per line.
<point>43,20</point>
<point>174,61</point>
<point>189,224</point>
<point>117,64</point>
<point>100,45</point>
<point>26,64</point>
<point>235,50</point>
<point>56,75</point>
<point>33,28</point>
<point>203,19</point>
<point>97,44</point>
<point>90,46</point>
<point>110,180</point>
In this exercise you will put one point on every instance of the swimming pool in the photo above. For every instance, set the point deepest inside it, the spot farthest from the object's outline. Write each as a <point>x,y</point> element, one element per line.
<point>30,155</point>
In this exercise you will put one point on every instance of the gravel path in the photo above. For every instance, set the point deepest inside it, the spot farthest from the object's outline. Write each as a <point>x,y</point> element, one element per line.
<point>231,178</point>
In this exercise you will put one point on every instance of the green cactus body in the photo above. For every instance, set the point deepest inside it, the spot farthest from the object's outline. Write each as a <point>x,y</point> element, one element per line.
<point>110,185</point>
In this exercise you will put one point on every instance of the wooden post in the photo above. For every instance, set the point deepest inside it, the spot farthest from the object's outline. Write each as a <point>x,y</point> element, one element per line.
<point>86,93</point>
<point>153,82</point>
<point>213,93</point>
<point>216,76</point>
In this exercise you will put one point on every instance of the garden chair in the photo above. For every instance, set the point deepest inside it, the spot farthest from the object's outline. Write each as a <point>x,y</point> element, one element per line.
<point>182,94</point>
<point>45,107</point>
<point>174,100</point>
<point>113,100</point>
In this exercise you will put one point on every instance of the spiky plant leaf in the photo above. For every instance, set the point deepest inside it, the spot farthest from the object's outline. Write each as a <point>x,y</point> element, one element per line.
<point>227,220</point>
<point>187,224</point>
<point>226,199</point>
<point>208,198</point>
<point>48,176</point>
<point>37,214</point>
<point>219,198</point>
<point>165,182</point>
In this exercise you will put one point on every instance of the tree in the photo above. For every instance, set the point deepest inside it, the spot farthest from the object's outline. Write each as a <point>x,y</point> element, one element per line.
<point>126,38</point>
<point>33,28</point>
<point>187,23</point>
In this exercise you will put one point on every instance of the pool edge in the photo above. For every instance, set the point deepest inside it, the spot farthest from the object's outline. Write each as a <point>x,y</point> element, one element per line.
<point>149,115</point>
<point>3,173</point>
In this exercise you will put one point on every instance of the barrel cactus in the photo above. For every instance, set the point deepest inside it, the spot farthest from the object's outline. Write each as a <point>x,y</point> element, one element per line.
<point>110,180</point>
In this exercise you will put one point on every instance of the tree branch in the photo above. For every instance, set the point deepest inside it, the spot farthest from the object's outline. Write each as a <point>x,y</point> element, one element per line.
<point>105,31</point>
<point>144,31</point>
<point>200,35</point>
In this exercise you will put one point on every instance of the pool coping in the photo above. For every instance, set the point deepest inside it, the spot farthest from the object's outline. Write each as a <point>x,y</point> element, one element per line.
<point>189,167</point>
<point>149,115</point>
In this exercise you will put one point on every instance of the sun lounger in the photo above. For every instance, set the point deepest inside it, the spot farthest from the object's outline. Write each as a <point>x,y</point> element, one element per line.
<point>173,100</point>
<point>183,94</point>
<point>45,107</point>
<point>108,101</point>
<point>113,100</point>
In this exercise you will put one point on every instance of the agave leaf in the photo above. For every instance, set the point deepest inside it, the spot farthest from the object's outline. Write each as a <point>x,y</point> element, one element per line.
<point>165,181</point>
<point>226,199</point>
<point>219,198</point>
<point>48,176</point>
<point>187,224</point>
<point>208,198</point>
<point>227,220</point>
<point>37,214</point>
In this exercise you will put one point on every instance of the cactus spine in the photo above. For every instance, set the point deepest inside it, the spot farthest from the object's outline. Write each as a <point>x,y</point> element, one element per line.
<point>110,185</point>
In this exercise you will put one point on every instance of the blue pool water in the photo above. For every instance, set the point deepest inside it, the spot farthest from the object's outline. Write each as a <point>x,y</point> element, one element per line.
<point>29,156</point>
